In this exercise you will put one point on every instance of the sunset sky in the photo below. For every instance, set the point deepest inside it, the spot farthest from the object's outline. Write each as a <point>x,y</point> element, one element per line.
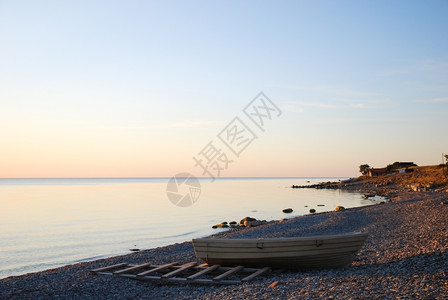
<point>139,88</point>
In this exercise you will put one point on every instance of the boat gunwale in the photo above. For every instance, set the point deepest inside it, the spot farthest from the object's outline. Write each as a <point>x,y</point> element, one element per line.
<point>360,235</point>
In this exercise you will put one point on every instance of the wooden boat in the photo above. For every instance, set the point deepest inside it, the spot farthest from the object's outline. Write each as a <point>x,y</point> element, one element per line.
<point>313,252</point>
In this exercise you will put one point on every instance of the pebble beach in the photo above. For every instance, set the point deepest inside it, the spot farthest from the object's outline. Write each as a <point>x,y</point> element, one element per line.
<point>404,257</point>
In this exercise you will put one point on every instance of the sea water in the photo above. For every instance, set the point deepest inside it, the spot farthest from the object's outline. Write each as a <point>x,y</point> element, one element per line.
<point>47,223</point>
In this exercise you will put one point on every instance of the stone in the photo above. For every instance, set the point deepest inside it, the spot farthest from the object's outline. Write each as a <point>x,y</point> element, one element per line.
<point>252,223</point>
<point>287,210</point>
<point>312,210</point>
<point>247,219</point>
<point>220,226</point>
<point>369,195</point>
<point>338,208</point>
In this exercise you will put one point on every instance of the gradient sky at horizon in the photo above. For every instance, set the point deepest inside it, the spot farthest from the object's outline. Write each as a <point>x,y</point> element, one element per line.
<point>137,88</point>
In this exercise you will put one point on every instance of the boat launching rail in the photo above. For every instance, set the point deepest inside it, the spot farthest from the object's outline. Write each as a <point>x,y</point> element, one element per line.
<point>183,273</point>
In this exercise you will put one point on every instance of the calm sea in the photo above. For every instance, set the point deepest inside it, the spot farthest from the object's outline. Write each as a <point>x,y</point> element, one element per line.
<point>47,223</point>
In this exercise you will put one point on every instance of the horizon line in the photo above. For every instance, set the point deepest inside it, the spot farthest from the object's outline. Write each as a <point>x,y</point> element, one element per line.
<point>163,177</point>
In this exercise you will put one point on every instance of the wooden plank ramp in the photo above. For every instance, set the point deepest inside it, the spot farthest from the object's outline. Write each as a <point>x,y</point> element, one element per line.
<point>185,273</point>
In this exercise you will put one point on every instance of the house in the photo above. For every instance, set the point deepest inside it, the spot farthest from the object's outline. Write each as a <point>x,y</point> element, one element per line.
<point>401,171</point>
<point>376,171</point>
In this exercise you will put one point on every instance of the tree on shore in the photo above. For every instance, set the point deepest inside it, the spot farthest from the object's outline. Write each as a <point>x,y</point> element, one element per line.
<point>364,169</point>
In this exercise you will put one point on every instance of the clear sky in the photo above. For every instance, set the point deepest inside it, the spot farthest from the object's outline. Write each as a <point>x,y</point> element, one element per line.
<point>139,88</point>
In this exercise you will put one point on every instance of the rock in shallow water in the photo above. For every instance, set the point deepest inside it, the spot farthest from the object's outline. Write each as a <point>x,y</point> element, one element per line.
<point>249,219</point>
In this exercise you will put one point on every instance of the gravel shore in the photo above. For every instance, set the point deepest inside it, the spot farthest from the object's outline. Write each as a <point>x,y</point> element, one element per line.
<point>405,257</point>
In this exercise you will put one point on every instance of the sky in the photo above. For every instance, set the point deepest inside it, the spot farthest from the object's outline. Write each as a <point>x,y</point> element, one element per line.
<point>143,88</point>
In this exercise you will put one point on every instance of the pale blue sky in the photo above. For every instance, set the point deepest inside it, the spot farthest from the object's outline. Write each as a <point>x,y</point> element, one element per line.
<point>137,88</point>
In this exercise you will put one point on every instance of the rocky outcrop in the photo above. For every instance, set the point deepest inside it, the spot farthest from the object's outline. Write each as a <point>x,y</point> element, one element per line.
<point>422,187</point>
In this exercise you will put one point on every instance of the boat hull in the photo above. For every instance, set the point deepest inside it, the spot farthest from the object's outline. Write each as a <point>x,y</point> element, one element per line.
<point>315,252</point>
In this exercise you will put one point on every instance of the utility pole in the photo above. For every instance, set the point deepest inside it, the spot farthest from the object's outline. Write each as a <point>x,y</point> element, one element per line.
<point>444,165</point>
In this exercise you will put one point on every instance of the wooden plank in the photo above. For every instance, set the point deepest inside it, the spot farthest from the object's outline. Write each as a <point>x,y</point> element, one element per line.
<point>128,276</point>
<point>203,265</point>
<point>203,272</point>
<point>228,273</point>
<point>131,269</point>
<point>248,270</point>
<point>332,260</point>
<point>264,245</point>
<point>205,281</point>
<point>180,270</point>
<point>157,269</point>
<point>277,245</point>
<point>255,274</point>
<point>252,253</point>
<point>336,238</point>
<point>109,268</point>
